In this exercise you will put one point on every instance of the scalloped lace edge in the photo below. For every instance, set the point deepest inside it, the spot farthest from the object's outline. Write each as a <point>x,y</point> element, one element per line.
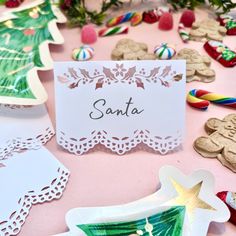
<point>162,144</point>
<point>47,194</point>
<point>17,144</point>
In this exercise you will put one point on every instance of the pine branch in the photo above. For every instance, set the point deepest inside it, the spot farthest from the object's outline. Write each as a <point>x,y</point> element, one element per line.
<point>223,6</point>
<point>79,15</point>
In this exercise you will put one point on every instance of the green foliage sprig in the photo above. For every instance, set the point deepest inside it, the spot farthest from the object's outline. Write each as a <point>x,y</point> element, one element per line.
<point>79,15</point>
<point>223,6</point>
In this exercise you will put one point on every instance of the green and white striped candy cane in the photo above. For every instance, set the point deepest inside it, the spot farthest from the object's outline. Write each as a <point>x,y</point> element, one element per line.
<point>113,31</point>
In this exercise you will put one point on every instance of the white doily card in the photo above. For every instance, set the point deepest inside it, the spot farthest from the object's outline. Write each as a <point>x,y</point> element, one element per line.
<point>23,128</point>
<point>28,178</point>
<point>120,104</point>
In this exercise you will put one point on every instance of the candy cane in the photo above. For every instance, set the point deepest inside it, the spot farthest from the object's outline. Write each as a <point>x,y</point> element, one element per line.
<point>113,31</point>
<point>136,19</point>
<point>120,19</point>
<point>8,37</point>
<point>200,99</point>
<point>183,33</point>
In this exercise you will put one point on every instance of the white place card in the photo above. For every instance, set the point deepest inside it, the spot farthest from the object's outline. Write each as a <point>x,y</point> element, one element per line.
<point>120,104</point>
<point>28,178</point>
<point>23,127</point>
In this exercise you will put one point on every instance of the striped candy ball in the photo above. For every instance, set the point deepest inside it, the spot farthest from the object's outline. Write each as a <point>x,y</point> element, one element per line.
<point>83,53</point>
<point>164,51</point>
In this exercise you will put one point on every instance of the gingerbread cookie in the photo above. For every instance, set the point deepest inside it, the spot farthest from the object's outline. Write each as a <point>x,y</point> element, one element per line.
<point>207,29</point>
<point>127,49</point>
<point>221,142</point>
<point>197,66</point>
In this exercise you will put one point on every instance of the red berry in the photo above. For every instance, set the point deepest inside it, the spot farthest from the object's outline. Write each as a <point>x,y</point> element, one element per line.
<point>29,32</point>
<point>187,18</point>
<point>166,21</point>
<point>66,4</point>
<point>13,3</point>
<point>150,17</point>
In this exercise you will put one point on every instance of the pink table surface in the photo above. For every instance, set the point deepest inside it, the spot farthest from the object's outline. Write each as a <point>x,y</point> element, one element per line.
<point>101,178</point>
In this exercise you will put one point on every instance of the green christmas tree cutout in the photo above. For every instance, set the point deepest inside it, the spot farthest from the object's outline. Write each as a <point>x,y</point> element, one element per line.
<point>25,36</point>
<point>166,223</point>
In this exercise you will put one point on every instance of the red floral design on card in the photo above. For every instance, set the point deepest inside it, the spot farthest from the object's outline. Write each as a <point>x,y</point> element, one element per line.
<point>119,74</point>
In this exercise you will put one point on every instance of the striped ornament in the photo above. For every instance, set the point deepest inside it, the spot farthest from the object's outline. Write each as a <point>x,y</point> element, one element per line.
<point>201,99</point>
<point>83,53</point>
<point>113,31</point>
<point>164,51</point>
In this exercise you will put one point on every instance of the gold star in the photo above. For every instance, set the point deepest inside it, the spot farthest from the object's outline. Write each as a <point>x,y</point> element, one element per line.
<point>8,24</point>
<point>189,198</point>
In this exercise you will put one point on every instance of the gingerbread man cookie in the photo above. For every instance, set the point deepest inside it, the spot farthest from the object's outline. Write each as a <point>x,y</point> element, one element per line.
<point>197,66</point>
<point>207,29</point>
<point>221,142</point>
<point>127,49</point>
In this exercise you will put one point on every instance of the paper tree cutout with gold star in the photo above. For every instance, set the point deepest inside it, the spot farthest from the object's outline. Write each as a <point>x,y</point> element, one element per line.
<point>170,220</point>
<point>196,193</point>
<point>25,34</point>
<point>189,200</point>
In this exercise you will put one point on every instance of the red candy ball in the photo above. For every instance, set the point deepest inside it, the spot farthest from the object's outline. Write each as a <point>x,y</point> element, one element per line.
<point>187,18</point>
<point>166,21</point>
<point>88,34</point>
